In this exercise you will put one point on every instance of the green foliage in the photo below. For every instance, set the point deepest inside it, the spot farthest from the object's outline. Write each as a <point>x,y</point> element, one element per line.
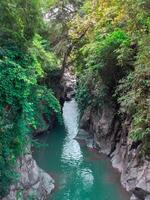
<point>47,60</point>
<point>43,102</point>
<point>134,95</point>
<point>25,61</point>
<point>83,96</point>
<point>22,101</point>
<point>19,20</point>
<point>103,56</point>
<point>112,60</point>
<point>102,69</point>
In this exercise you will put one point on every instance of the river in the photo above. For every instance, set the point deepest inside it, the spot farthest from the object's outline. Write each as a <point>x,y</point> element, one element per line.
<point>79,172</point>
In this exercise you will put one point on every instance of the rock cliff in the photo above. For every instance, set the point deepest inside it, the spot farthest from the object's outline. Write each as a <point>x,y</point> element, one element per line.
<point>33,182</point>
<point>110,136</point>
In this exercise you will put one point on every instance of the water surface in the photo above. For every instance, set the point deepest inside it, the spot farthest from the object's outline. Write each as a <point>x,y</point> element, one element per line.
<point>80,173</point>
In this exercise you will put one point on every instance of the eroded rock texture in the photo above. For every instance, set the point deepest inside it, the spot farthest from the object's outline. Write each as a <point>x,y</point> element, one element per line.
<point>33,183</point>
<point>110,136</point>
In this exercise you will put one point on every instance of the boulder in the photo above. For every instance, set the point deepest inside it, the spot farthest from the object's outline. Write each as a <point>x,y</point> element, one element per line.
<point>33,181</point>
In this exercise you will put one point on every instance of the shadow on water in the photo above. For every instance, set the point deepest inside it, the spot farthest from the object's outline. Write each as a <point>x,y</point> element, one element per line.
<point>79,173</point>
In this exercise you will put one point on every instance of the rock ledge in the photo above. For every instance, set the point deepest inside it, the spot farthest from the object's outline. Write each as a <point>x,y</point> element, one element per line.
<point>33,183</point>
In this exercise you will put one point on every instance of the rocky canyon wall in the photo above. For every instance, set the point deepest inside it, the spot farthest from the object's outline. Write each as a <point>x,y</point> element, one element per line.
<point>110,136</point>
<point>33,182</point>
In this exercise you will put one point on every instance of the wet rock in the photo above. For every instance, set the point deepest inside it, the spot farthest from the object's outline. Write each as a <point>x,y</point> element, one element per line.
<point>85,119</point>
<point>68,83</point>
<point>99,123</point>
<point>82,135</point>
<point>69,95</point>
<point>133,197</point>
<point>147,197</point>
<point>140,193</point>
<point>33,182</point>
<point>110,135</point>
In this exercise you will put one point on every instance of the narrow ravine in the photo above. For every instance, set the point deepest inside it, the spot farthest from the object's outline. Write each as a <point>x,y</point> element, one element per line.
<point>80,173</point>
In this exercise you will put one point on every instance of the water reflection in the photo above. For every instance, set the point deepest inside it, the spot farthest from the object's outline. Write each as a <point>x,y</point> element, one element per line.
<point>87,178</point>
<point>78,172</point>
<point>70,116</point>
<point>71,153</point>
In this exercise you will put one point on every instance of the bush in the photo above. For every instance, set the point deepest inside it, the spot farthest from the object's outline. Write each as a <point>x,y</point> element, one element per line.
<point>97,82</point>
<point>133,92</point>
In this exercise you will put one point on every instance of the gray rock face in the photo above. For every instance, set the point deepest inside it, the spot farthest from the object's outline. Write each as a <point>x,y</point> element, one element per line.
<point>34,183</point>
<point>84,135</point>
<point>68,82</point>
<point>100,125</point>
<point>111,137</point>
<point>133,197</point>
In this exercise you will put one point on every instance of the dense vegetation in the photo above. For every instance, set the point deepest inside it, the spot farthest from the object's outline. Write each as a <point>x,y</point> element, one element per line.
<point>113,60</point>
<point>108,43</point>
<point>25,61</point>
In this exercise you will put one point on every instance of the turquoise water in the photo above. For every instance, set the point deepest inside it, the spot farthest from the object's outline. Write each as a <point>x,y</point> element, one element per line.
<point>80,173</point>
